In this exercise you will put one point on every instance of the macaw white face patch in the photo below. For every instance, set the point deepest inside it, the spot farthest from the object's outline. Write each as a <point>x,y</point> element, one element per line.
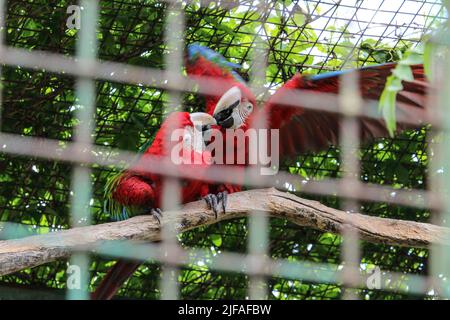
<point>232,110</point>
<point>232,147</point>
<point>190,142</point>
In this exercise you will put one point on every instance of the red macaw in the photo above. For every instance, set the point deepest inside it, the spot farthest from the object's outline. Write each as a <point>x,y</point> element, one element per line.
<point>134,191</point>
<point>302,129</point>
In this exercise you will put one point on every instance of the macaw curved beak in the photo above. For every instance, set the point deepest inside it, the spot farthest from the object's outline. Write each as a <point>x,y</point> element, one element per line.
<point>225,117</point>
<point>227,123</point>
<point>225,107</point>
<point>203,121</point>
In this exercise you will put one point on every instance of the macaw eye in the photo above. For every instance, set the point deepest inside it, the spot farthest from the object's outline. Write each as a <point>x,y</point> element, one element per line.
<point>249,107</point>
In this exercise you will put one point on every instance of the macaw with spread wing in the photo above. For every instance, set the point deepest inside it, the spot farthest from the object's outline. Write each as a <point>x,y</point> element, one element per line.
<point>302,129</point>
<point>135,191</point>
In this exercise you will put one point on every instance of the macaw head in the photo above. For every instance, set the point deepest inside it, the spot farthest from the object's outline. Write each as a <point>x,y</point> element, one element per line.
<point>182,136</point>
<point>135,188</point>
<point>191,125</point>
<point>234,107</point>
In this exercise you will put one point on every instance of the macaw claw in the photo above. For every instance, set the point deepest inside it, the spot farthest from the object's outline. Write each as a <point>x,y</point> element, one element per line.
<point>213,201</point>
<point>157,213</point>
<point>223,198</point>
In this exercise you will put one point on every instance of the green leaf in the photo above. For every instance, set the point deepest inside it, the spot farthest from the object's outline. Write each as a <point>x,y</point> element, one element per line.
<point>427,58</point>
<point>403,72</point>
<point>387,102</point>
<point>216,239</point>
<point>394,83</point>
<point>220,26</point>
<point>299,19</point>
<point>411,58</point>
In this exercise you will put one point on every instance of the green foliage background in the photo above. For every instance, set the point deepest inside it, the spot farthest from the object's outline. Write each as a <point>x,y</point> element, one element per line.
<point>39,103</point>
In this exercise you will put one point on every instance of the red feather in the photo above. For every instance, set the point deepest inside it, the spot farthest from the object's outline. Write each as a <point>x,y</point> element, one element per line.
<point>304,130</point>
<point>144,189</point>
<point>202,67</point>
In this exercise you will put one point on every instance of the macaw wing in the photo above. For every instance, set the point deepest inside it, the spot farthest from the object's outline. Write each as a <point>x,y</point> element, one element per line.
<point>303,130</point>
<point>207,63</point>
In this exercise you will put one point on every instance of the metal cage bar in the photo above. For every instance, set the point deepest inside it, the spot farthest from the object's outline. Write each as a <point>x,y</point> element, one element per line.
<point>81,175</point>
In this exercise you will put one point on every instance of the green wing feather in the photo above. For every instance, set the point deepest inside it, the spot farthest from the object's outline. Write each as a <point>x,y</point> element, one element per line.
<point>117,211</point>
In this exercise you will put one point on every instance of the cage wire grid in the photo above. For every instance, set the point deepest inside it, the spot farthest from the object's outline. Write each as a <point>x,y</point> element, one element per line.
<point>80,74</point>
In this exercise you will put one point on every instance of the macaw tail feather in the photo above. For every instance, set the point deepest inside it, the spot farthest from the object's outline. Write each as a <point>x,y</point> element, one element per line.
<point>114,279</point>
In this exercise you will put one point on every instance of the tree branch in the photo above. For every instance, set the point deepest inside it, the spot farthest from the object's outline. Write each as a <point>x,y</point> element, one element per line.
<point>18,254</point>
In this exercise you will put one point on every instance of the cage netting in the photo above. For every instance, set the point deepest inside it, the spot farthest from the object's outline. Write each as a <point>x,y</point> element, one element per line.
<point>306,36</point>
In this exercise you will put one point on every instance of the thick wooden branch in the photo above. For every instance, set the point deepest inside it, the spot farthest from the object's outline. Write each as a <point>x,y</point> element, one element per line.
<point>32,251</point>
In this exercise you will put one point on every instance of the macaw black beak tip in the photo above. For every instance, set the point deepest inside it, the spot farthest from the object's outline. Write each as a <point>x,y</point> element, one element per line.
<point>226,123</point>
<point>224,118</point>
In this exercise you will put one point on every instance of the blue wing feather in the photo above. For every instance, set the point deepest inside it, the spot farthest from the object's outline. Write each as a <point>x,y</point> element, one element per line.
<point>194,50</point>
<point>327,75</point>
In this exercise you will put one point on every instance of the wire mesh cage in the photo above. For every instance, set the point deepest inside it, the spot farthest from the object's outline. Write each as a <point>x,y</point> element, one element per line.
<point>123,67</point>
